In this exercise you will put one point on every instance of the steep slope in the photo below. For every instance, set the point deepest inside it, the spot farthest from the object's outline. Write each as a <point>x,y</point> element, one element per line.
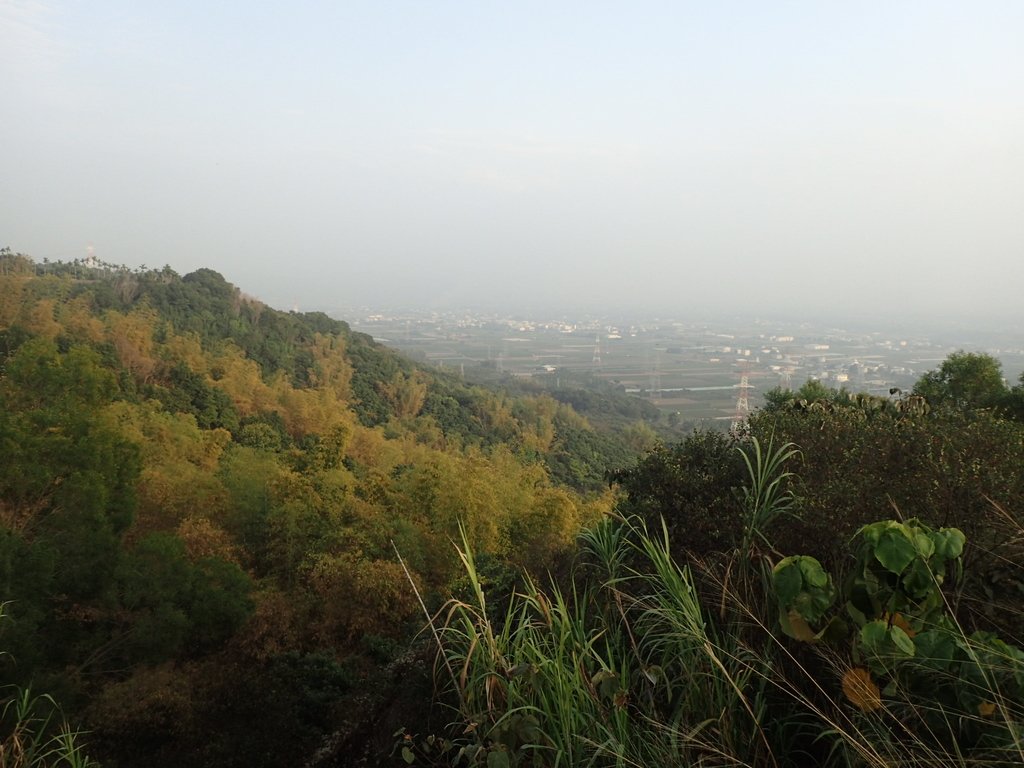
<point>202,500</point>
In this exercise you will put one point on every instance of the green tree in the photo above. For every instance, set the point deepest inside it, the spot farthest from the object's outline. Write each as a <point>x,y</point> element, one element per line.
<point>67,495</point>
<point>812,391</point>
<point>1013,403</point>
<point>965,380</point>
<point>176,604</point>
<point>690,485</point>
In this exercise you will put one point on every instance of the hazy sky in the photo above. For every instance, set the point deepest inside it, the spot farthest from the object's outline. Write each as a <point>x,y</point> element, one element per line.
<point>800,156</point>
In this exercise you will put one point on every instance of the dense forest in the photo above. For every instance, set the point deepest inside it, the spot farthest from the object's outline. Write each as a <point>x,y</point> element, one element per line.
<point>238,536</point>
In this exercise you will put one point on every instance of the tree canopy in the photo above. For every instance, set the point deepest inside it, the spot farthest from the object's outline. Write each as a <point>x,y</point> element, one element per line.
<point>964,380</point>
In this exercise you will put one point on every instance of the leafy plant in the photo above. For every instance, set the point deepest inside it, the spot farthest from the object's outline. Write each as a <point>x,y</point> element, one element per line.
<point>907,653</point>
<point>766,497</point>
<point>805,593</point>
<point>900,567</point>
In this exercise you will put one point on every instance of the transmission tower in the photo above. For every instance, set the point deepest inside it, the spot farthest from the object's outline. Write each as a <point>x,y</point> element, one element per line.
<point>655,384</point>
<point>786,378</point>
<point>596,362</point>
<point>742,396</point>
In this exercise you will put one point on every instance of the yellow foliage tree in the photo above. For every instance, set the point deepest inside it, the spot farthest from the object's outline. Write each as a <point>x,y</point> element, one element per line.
<point>12,294</point>
<point>538,423</point>
<point>358,597</point>
<point>405,394</point>
<point>499,417</point>
<point>132,337</point>
<point>41,319</point>
<point>188,349</point>
<point>332,370</point>
<point>179,462</point>
<point>547,529</point>
<point>309,411</point>
<point>272,628</point>
<point>80,321</point>
<point>239,377</point>
<point>204,538</point>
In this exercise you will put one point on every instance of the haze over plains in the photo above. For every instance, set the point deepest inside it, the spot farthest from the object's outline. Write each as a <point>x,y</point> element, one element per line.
<point>800,157</point>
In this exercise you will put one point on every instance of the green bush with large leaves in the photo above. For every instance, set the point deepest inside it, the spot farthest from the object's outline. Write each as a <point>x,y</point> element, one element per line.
<point>905,651</point>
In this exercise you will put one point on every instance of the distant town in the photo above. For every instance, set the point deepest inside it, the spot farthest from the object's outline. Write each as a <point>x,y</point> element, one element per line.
<point>703,371</point>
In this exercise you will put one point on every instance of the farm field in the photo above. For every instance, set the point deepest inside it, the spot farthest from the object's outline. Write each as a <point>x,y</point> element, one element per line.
<point>697,370</point>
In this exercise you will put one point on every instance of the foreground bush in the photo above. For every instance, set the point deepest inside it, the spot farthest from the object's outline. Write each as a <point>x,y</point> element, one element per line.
<point>746,658</point>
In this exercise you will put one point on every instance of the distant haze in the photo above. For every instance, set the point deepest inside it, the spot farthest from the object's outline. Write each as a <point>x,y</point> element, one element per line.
<point>804,157</point>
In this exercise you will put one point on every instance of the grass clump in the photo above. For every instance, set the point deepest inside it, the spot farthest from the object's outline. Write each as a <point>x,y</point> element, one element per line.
<point>33,733</point>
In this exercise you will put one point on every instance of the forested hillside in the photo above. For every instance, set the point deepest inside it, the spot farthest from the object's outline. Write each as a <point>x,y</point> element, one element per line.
<point>204,501</point>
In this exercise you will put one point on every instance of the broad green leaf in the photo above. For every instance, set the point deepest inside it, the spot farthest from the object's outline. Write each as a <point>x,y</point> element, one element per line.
<point>874,636</point>
<point>918,579</point>
<point>895,551</point>
<point>871,533</point>
<point>901,640</point>
<point>949,542</point>
<point>788,580</point>
<point>812,572</point>
<point>935,648</point>
<point>856,614</point>
<point>813,605</point>
<point>924,544</point>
